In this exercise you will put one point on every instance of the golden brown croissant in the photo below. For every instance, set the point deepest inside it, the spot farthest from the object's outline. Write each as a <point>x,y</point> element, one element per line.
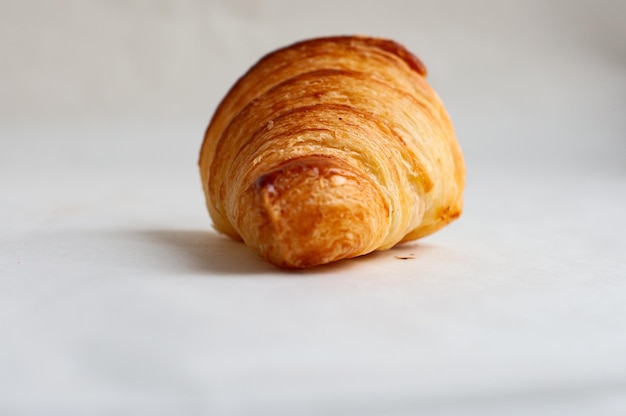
<point>331,148</point>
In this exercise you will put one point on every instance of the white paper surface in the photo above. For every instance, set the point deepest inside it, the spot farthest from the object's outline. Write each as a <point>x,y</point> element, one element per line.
<point>117,298</point>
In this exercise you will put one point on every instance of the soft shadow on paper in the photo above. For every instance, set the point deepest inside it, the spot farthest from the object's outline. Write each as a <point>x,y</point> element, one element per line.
<point>206,252</point>
<point>203,251</point>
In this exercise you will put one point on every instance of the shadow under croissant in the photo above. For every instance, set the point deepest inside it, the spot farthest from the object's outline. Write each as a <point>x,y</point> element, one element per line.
<point>209,252</point>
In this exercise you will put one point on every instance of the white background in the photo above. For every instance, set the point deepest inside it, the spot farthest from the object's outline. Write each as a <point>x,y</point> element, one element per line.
<point>117,298</point>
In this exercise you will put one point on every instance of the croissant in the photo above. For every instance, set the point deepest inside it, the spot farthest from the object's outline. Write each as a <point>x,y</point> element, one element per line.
<point>331,148</point>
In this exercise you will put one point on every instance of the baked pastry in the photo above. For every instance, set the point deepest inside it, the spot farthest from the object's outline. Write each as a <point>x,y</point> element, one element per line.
<point>331,148</point>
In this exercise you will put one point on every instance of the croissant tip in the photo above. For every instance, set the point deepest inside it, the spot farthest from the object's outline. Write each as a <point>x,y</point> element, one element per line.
<point>306,214</point>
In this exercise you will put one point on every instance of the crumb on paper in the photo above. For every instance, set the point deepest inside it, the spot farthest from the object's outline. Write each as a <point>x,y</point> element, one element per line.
<point>409,257</point>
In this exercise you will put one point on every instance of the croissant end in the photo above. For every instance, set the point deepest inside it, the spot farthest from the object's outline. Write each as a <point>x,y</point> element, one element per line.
<point>312,211</point>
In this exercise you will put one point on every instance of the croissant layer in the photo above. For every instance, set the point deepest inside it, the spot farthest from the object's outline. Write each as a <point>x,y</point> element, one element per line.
<point>331,148</point>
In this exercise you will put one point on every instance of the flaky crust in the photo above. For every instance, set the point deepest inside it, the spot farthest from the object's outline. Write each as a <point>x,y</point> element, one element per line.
<point>331,148</point>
